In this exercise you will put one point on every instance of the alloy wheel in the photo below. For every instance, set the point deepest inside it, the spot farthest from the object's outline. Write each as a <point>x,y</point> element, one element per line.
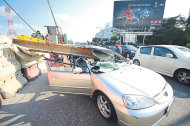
<point>183,77</point>
<point>103,106</point>
<point>136,62</point>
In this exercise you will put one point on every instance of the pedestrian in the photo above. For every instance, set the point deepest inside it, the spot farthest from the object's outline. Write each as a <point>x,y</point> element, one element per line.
<point>118,49</point>
<point>43,37</point>
<point>38,35</point>
<point>47,37</point>
<point>33,34</point>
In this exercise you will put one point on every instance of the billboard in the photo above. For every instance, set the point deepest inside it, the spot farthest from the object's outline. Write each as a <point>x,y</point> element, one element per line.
<point>138,13</point>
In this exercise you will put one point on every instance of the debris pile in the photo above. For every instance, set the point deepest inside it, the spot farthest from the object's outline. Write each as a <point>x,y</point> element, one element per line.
<point>17,66</point>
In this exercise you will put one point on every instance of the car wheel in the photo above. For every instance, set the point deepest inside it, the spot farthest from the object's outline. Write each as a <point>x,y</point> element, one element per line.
<point>136,62</point>
<point>183,76</point>
<point>106,108</point>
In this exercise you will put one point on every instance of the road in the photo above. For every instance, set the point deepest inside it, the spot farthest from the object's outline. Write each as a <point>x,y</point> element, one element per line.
<point>35,105</point>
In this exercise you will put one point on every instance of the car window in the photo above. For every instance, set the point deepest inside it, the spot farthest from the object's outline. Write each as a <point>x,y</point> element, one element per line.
<point>159,51</point>
<point>146,50</point>
<point>59,66</point>
<point>123,47</point>
<point>130,47</point>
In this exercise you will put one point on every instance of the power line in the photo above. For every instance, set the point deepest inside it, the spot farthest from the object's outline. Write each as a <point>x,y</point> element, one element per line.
<point>19,16</point>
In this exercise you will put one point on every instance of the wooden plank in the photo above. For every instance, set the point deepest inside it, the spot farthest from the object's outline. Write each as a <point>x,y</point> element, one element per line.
<point>55,48</point>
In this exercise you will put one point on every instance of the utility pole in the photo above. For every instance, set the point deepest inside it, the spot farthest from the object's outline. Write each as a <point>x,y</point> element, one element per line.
<point>55,22</point>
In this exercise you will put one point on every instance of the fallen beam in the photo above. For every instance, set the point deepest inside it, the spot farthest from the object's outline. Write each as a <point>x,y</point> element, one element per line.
<point>55,48</point>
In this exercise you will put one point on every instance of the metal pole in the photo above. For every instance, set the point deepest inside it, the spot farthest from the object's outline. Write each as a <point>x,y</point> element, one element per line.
<point>120,40</point>
<point>55,22</point>
<point>143,39</point>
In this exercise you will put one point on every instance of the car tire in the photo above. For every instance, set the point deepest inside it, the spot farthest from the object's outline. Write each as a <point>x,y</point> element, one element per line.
<point>106,108</point>
<point>182,76</point>
<point>136,62</point>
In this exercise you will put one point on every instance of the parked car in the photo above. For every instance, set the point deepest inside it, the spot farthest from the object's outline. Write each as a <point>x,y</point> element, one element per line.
<point>170,60</point>
<point>112,48</point>
<point>128,51</point>
<point>123,92</point>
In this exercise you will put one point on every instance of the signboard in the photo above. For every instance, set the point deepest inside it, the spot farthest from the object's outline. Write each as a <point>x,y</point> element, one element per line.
<point>137,33</point>
<point>138,13</point>
<point>130,38</point>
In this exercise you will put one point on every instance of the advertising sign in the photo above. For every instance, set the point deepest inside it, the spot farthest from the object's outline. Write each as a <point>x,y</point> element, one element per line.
<point>138,13</point>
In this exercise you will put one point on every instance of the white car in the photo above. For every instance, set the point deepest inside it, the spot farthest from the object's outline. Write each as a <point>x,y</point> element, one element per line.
<point>170,60</point>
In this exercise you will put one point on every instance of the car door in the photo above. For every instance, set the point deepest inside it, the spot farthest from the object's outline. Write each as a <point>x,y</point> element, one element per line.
<point>145,56</point>
<point>124,51</point>
<point>160,63</point>
<point>63,80</point>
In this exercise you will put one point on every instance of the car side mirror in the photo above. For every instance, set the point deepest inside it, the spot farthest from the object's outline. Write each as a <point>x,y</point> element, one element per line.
<point>77,70</point>
<point>169,55</point>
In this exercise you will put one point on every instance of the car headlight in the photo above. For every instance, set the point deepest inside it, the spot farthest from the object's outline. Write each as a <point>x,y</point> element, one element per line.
<point>137,101</point>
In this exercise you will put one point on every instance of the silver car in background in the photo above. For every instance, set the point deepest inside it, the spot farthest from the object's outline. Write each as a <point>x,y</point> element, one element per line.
<point>170,60</point>
<point>123,92</point>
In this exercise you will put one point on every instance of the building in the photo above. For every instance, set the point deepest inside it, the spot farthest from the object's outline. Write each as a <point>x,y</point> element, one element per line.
<point>106,32</point>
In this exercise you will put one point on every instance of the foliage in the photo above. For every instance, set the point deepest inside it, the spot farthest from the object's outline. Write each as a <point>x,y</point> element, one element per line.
<point>174,31</point>
<point>188,45</point>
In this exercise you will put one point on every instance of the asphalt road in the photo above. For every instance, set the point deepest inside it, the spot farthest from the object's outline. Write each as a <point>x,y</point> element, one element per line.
<point>36,105</point>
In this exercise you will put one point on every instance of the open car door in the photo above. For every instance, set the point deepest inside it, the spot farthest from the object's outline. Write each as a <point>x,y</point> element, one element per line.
<point>63,80</point>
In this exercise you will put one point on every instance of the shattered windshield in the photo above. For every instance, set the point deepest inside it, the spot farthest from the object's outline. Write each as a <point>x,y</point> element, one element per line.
<point>108,55</point>
<point>110,66</point>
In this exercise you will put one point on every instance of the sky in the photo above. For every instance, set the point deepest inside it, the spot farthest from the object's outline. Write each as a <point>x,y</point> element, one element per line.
<point>79,19</point>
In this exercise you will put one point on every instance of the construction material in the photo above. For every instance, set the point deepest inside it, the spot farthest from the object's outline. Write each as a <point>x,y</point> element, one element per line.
<point>42,66</point>
<point>25,57</point>
<point>55,48</point>
<point>11,84</point>
<point>32,72</point>
<point>5,40</point>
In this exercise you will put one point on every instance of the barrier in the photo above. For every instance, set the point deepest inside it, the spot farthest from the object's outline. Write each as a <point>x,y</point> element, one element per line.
<point>42,66</point>
<point>32,72</point>
<point>5,39</point>
<point>8,70</point>
<point>10,85</point>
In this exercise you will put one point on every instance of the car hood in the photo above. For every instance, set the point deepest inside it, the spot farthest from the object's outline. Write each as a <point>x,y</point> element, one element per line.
<point>135,80</point>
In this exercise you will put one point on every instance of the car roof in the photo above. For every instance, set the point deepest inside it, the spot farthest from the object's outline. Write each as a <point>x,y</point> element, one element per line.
<point>167,46</point>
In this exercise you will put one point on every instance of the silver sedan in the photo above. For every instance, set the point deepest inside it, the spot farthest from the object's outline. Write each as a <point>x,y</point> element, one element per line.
<point>123,92</point>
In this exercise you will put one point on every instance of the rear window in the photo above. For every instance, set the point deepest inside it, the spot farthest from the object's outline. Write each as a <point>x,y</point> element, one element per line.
<point>146,50</point>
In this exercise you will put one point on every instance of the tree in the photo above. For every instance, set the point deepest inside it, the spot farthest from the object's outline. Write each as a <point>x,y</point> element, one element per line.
<point>174,31</point>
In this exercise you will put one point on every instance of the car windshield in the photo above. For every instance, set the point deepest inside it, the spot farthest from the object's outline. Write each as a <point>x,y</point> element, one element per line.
<point>185,51</point>
<point>130,47</point>
<point>110,66</point>
<point>108,55</point>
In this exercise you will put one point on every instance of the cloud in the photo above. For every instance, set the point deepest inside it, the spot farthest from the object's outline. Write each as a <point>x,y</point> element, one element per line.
<point>62,16</point>
<point>19,26</point>
<point>89,22</point>
<point>3,13</point>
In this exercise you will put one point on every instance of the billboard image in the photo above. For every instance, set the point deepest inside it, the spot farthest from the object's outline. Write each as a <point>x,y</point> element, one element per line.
<point>138,13</point>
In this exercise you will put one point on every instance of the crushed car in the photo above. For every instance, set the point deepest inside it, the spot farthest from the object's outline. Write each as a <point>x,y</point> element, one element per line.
<point>123,92</point>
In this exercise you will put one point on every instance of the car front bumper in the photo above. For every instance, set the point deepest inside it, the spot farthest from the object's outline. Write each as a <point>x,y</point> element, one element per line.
<point>144,117</point>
